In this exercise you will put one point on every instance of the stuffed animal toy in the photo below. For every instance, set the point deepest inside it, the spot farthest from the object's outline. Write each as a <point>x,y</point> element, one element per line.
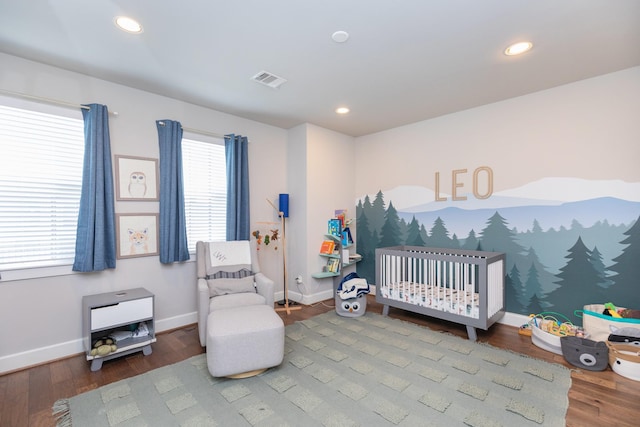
<point>103,346</point>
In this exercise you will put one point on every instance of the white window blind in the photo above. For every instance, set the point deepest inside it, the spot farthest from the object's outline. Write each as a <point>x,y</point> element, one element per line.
<point>41,158</point>
<point>205,190</point>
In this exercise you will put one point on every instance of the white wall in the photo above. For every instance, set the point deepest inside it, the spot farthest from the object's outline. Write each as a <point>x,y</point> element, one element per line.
<point>321,168</point>
<point>40,319</point>
<point>588,129</point>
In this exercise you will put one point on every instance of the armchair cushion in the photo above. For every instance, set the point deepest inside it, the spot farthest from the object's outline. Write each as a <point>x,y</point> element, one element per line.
<point>230,301</point>
<point>224,286</point>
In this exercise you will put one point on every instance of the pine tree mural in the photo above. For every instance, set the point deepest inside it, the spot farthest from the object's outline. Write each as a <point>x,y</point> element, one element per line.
<point>390,234</point>
<point>413,234</point>
<point>578,282</point>
<point>545,280</point>
<point>534,306</point>
<point>471,242</point>
<point>377,214</point>
<point>532,286</point>
<point>439,235</point>
<point>497,237</point>
<point>625,290</point>
<point>596,260</point>
<point>365,246</point>
<point>513,301</point>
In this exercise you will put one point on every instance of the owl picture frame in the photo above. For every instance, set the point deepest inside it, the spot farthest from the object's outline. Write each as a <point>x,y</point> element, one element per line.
<point>136,179</point>
<point>137,235</point>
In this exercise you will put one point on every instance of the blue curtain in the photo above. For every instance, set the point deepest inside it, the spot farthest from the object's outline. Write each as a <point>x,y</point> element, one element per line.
<point>173,225</point>
<point>95,235</point>
<point>236,151</point>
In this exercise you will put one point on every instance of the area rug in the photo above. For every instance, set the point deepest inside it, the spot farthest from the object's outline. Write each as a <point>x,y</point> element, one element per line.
<point>337,371</point>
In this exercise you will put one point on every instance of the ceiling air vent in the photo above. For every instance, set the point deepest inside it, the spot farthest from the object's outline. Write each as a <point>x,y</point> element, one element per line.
<point>269,79</point>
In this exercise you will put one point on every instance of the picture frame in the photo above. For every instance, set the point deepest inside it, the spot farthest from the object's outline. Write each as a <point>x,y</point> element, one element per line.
<point>137,235</point>
<point>136,178</point>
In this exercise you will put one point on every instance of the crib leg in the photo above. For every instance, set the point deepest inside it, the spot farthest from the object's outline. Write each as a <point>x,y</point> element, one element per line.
<point>385,310</point>
<point>471,332</point>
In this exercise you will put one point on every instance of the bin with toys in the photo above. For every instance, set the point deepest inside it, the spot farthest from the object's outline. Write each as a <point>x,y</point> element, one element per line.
<point>546,330</point>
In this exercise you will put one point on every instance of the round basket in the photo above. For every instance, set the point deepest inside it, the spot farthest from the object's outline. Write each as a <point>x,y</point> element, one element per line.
<point>625,360</point>
<point>546,340</point>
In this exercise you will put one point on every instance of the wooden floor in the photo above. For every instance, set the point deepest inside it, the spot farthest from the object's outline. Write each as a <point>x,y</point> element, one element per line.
<point>27,396</point>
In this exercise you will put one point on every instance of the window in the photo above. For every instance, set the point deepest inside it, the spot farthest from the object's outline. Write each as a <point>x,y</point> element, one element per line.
<point>204,170</point>
<point>41,157</point>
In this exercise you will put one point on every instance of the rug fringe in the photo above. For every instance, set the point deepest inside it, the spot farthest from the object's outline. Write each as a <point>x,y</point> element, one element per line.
<point>62,413</point>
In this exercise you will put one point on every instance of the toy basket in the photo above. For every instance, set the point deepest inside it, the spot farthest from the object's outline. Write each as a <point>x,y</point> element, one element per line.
<point>351,296</point>
<point>546,331</point>
<point>599,325</point>
<point>585,353</point>
<point>625,360</point>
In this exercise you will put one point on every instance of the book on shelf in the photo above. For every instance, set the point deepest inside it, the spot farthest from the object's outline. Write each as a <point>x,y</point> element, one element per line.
<point>355,257</point>
<point>333,265</point>
<point>335,228</point>
<point>347,239</point>
<point>327,247</point>
<point>341,214</point>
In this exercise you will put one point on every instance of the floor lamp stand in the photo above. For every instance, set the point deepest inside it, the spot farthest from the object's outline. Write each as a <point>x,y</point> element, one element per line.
<point>287,307</point>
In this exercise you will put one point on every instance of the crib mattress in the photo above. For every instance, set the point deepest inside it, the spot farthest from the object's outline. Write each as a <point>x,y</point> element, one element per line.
<point>464,303</point>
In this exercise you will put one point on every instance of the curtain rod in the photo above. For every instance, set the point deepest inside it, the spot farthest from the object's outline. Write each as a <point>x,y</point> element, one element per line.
<point>49,100</point>
<point>201,132</point>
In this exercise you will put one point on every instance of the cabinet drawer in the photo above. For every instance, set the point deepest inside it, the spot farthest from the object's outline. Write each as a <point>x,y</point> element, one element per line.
<point>121,313</point>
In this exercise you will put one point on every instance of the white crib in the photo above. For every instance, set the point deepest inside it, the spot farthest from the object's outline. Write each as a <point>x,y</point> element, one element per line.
<point>457,285</point>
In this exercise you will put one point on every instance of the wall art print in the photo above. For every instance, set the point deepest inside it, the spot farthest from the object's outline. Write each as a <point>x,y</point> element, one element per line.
<point>136,178</point>
<point>569,242</point>
<point>137,235</point>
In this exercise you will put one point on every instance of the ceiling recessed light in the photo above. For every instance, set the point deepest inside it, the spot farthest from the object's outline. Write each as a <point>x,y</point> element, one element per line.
<point>340,36</point>
<point>518,48</point>
<point>342,110</point>
<point>128,24</point>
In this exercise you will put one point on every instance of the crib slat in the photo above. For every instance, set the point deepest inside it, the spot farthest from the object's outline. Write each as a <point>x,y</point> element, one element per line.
<point>457,285</point>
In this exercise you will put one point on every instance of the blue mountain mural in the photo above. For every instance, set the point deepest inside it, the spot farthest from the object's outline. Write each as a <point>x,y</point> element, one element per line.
<point>542,240</point>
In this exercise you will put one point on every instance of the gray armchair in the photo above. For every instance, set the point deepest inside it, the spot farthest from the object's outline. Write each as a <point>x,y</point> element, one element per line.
<point>228,276</point>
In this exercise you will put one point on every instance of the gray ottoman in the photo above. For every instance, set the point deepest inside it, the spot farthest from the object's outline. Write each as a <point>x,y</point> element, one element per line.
<point>244,341</point>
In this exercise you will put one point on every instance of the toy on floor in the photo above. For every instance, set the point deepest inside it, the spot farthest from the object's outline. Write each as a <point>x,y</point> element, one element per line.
<point>628,335</point>
<point>103,346</point>
<point>611,310</point>
<point>525,330</point>
<point>620,313</point>
<point>351,296</point>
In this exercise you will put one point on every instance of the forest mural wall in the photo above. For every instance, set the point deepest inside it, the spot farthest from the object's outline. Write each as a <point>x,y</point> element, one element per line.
<point>561,254</point>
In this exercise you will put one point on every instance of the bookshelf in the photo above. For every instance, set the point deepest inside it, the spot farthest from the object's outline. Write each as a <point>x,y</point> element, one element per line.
<point>335,261</point>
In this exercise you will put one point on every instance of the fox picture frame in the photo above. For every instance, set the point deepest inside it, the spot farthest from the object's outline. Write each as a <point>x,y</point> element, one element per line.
<point>137,235</point>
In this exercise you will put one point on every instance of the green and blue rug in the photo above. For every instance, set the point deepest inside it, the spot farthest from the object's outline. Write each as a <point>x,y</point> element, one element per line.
<point>365,371</point>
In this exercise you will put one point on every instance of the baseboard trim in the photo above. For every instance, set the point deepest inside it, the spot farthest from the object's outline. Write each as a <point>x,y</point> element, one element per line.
<point>513,319</point>
<point>38,356</point>
<point>306,299</point>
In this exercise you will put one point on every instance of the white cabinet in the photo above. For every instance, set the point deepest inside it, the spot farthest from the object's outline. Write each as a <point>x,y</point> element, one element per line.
<point>119,314</point>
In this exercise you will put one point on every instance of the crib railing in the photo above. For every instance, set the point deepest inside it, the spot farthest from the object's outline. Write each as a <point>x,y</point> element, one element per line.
<point>455,282</point>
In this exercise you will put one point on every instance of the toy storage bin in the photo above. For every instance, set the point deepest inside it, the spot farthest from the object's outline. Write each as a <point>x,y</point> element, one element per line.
<point>585,353</point>
<point>545,340</point>
<point>351,296</point>
<point>625,360</point>
<point>542,326</point>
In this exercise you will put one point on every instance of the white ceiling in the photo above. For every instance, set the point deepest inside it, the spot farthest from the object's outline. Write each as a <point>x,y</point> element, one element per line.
<point>405,60</point>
